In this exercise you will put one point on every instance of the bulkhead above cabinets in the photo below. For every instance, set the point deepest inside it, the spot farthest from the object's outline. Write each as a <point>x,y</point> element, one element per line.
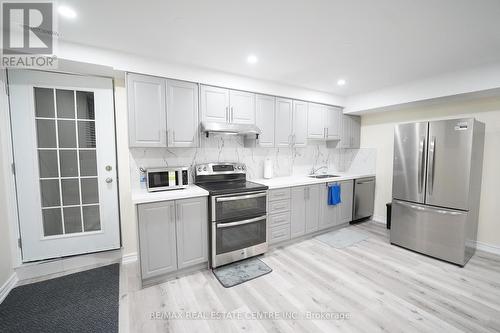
<point>170,113</point>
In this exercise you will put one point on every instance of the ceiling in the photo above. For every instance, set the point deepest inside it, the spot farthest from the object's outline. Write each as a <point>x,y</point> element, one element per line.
<point>308,43</point>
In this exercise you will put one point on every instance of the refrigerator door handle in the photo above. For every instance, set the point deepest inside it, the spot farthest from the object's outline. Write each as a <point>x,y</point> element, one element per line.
<point>432,158</point>
<point>423,208</point>
<point>421,166</point>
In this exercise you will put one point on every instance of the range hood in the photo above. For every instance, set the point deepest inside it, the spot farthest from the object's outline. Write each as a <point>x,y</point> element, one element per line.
<point>226,128</point>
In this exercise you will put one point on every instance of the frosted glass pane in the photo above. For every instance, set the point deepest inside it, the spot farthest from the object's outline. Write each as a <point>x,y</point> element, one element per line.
<point>88,163</point>
<point>52,222</point>
<point>47,161</point>
<point>90,191</point>
<point>70,192</point>
<point>72,220</point>
<point>69,163</point>
<point>86,134</point>
<point>46,133</point>
<point>67,133</point>
<point>65,101</point>
<point>44,102</point>
<point>49,189</point>
<point>85,105</point>
<point>91,219</point>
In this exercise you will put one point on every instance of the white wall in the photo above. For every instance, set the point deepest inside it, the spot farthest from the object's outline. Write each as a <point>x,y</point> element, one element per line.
<point>377,131</point>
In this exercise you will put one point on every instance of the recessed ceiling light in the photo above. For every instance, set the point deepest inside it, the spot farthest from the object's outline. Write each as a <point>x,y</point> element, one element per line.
<point>66,12</point>
<point>341,82</point>
<point>252,59</point>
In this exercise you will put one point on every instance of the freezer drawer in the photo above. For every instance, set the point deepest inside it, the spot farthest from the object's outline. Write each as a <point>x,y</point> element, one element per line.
<point>364,196</point>
<point>437,232</point>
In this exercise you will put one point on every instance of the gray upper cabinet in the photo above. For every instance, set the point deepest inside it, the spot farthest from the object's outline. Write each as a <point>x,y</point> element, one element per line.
<point>333,123</point>
<point>182,114</point>
<point>264,119</point>
<point>351,131</point>
<point>214,103</point>
<point>228,106</point>
<point>146,111</point>
<point>242,107</point>
<point>284,122</point>
<point>299,123</point>
<point>346,197</point>
<point>192,235</point>
<point>157,240</point>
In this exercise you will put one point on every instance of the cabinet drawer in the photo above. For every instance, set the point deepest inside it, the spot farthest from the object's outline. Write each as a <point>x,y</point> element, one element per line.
<point>279,234</point>
<point>279,206</point>
<point>278,219</point>
<point>279,194</point>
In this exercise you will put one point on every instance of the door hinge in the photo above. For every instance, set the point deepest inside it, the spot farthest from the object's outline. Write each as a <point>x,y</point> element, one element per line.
<point>14,168</point>
<point>19,243</point>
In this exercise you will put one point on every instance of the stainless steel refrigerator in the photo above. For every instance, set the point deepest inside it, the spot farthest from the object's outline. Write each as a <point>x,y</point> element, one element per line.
<point>436,187</point>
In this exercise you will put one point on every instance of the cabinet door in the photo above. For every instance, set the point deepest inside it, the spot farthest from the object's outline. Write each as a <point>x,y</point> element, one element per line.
<point>330,215</point>
<point>346,197</point>
<point>147,120</point>
<point>242,110</point>
<point>299,123</point>
<point>214,104</point>
<point>182,114</point>
<point>355,131</point>
<point>298,211</point>
<point>316,121</point>
<point>157,244</point>
<point>192,236</point>
<point>283,126</point>
<point>345,138</point>
<point>312,208</point>
<point>264,118</point>
<point>333,123</point>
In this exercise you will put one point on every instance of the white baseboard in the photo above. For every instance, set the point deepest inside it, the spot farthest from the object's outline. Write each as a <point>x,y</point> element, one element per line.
<point>488,247</point>
<point>129,258</point>
<point>8,286</point>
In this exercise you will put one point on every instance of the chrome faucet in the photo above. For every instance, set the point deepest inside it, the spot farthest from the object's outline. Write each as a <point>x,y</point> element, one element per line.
<point>313,170</point>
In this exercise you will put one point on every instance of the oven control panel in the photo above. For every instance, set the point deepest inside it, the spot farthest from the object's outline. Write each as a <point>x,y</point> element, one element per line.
<point>220,168</point>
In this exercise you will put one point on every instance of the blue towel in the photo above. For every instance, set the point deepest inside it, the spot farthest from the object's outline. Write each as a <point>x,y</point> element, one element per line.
<point>333,195</point>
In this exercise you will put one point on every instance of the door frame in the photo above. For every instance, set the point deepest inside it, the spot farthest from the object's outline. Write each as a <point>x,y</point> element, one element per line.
<point>10,177</point>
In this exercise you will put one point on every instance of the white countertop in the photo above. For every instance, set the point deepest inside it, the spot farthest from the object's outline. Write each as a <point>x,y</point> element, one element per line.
<point>143,196</point>
<point>289,181</point>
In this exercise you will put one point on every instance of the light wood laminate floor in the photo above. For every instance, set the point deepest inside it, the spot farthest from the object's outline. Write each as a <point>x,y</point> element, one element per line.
<point>381,287</point>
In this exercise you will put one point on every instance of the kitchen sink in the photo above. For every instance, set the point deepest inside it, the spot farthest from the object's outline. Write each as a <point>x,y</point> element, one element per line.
<point>323,176</point>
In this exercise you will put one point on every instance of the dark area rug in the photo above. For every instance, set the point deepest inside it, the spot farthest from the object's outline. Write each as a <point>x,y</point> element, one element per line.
<point>81,302</point>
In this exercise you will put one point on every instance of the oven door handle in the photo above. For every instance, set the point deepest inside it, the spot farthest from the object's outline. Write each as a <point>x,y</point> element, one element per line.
<point>234,224</point>
<point>241,197</point>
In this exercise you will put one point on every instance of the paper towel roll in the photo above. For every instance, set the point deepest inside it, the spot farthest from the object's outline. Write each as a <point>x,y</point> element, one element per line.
<point>268,168</point>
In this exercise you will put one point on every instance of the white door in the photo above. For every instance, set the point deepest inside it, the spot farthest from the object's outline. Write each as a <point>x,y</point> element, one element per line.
<point>316,121</point>
<point>242,107</point>
<point>264,119</point>
<point>65,160</point>
<point>299,123</point>
<point>182,114</point>
<point>283,125</point>
<point>214,104</point>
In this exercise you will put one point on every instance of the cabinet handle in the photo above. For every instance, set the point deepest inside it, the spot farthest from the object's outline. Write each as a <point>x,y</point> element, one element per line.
<point>327,132</point>
<point>227,115</point>
<point>232,115</point>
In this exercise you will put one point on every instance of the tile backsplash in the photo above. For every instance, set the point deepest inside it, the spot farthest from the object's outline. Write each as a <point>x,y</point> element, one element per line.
<point>286,161</point>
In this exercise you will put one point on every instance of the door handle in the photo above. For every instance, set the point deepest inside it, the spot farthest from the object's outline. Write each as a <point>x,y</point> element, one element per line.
<point>421,161</point>
<point>234,224</point>
<point>109,180</point>
<point>432,162</point>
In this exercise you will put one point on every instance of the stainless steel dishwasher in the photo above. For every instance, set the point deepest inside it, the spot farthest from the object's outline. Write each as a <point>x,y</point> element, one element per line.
<point>364,196</point>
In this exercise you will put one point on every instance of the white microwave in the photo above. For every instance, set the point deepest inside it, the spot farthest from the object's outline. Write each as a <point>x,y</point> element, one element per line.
<point>167,178</point>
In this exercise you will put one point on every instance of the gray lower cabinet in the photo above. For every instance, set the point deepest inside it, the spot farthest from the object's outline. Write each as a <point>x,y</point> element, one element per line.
<point>172,235</point>
<point>329,215</point>
<point>334,215</point>
<point>346,196</point>
<point>304,217</point>
<point>157,239</point>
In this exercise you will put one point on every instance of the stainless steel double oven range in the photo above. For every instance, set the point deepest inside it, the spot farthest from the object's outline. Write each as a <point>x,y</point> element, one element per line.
<point>237,212</point>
